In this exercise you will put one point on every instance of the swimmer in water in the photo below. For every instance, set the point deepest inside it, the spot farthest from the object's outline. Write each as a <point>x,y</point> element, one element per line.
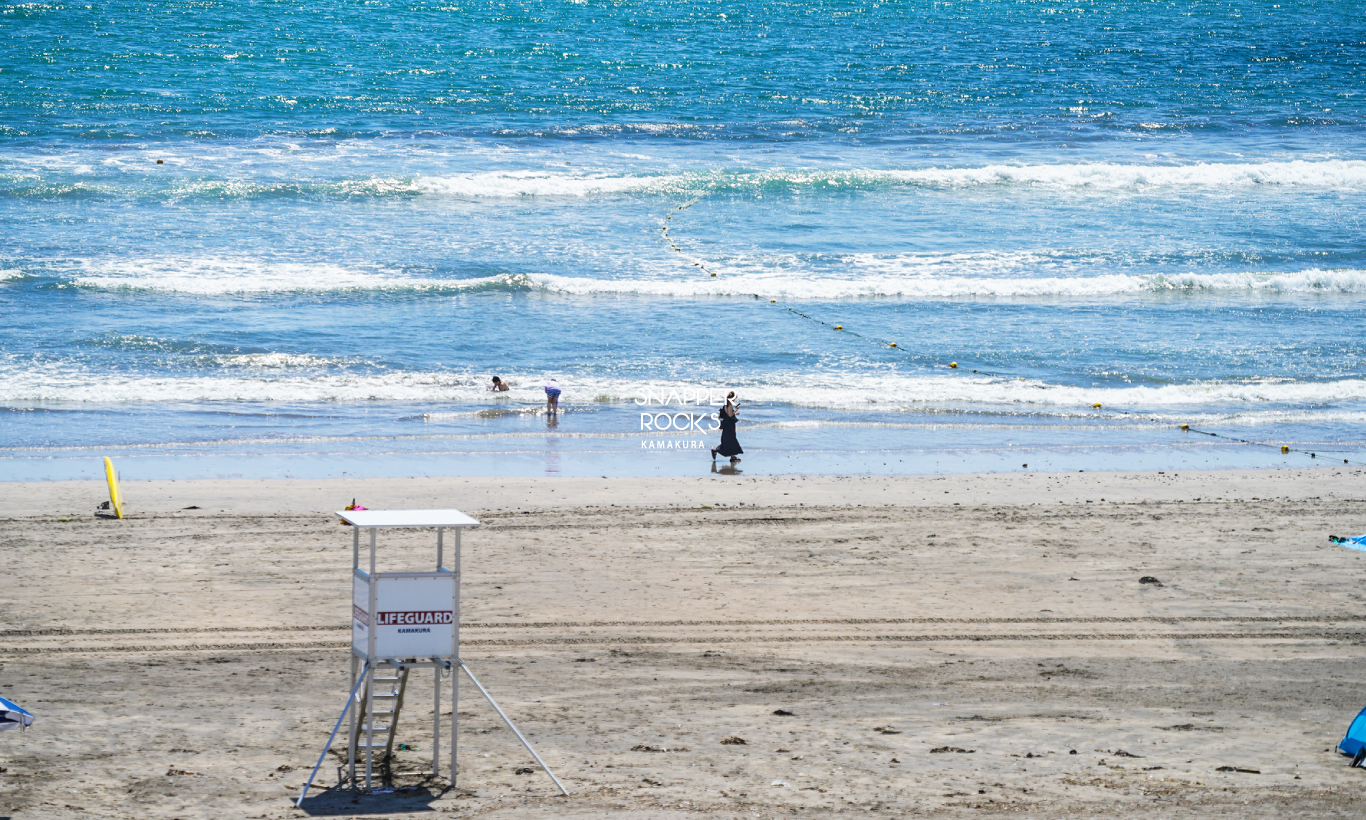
<point>499,386</point>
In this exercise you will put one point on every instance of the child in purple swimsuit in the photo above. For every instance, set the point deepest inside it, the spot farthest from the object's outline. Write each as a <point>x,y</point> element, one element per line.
<point>552,398</point>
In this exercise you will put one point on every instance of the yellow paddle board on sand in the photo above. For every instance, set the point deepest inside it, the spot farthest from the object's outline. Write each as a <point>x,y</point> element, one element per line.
<point>115,499</point>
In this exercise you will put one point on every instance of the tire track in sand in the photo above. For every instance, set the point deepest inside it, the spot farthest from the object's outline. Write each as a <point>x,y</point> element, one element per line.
<point>1155,619</point>
<point>679,632</point>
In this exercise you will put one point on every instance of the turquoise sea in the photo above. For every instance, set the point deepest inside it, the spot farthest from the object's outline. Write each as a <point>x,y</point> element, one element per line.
<point>286,239</point>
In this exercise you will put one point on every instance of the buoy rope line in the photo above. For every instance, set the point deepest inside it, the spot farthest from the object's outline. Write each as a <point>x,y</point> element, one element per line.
<point>700,264</point>
<point>669,240</point>
<point>1284,448</point>
<point>891,345</point>
<point>884,343</point>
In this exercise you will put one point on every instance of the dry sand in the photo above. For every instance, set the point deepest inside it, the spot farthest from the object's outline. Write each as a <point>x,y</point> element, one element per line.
<point>893,617</point>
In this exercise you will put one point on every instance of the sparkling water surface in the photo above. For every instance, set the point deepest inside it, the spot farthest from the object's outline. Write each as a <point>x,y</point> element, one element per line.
<point>363,211</point>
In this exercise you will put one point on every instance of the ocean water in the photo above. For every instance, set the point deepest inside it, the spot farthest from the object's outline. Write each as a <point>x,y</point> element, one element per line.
<point>275,238</point>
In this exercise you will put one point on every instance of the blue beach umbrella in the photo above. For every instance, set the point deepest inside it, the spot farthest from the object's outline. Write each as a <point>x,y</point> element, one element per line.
<point>13,715</point>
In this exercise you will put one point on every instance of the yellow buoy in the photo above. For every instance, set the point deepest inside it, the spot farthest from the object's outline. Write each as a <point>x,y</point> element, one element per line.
<point>892,344</point>
<point>1096,405</point>
<point>839,327</point>
<point>1185,427</point>
<point>115,497</point>
<point>713,274</point>
<point>1285,449</point>
<point>771,301</point>
<point>953,365</point>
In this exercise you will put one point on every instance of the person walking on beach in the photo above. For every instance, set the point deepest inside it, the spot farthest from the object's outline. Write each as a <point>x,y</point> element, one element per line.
<point>552,397</point>
<point>730,445</point>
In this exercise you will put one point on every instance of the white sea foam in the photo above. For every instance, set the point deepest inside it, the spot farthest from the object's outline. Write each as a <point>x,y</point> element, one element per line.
<point>56,385</point>
<point>279,361</point>
<point>539,184</point>
<point>958,265</point>
<point>914,276</point>
<point>1325,174</point>
<point>917,393</point>
<point>1329,174</point>
<point>212,275</point>
<point>223,275</point>
<point>257,175</point>
<point>1349,281</point>
<point>928,393</point>
<point>508,409</point>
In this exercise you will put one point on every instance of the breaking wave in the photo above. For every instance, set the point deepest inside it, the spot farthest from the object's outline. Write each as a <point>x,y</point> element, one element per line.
<point>1348,281</point>
<point>276,378</point>
<point>225,276</point>
<point>83,180</point>
<point>916,277</point>
<point>1330,174</point>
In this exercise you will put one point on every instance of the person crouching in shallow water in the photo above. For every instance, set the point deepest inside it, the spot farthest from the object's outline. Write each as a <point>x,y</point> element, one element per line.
<point>730,445</point>
<point>552,397</point>
<point>499,386</point>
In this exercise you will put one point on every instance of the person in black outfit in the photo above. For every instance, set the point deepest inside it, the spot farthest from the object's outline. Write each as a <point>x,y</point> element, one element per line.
<point>730,445</point>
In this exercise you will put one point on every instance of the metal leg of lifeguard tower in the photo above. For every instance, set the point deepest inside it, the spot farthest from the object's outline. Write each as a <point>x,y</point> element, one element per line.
<point>331,738</point>
<point>508,721</point>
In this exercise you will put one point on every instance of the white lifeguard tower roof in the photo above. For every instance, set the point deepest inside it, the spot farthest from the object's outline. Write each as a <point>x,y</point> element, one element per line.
<point>409,519</point>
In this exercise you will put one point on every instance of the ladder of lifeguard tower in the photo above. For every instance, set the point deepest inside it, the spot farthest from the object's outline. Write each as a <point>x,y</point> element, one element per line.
<point>377,719</point>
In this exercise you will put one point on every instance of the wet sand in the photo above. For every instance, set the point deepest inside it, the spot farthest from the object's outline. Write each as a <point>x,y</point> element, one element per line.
<point>952,646</point>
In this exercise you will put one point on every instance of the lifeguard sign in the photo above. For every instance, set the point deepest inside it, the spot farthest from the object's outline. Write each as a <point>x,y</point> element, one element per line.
<point>406,614</point>
<point>402,621</point>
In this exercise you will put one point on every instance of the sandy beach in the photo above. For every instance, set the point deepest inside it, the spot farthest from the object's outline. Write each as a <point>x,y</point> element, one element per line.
<point>949,646</point>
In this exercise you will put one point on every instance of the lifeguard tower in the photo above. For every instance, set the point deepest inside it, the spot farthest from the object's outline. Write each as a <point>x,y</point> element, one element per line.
<point>400,622</point>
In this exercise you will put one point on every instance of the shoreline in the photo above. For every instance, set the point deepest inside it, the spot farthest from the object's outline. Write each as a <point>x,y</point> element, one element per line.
<point>652,462</point>
<point>294,496</point>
